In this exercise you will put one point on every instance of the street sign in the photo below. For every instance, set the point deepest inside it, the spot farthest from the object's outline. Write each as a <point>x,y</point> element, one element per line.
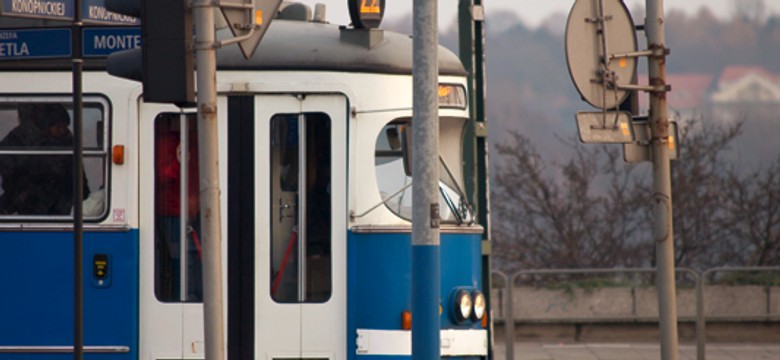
<point>35,43</point>
<point>605,127</point>
<point>641,150</point>
<point>244,18</point>
<point>95,12</point>
<point>92,11</point>
<point>102,41</point>
<point>596,31</point>
<point>39,9</point>
<point>51,43</point>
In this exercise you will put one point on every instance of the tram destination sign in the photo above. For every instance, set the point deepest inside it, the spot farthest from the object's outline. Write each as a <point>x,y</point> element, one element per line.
<point>93,11</point>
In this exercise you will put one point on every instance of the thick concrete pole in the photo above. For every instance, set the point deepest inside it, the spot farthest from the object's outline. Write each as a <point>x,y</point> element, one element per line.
<point>209,181</point>
<point>662,185</point>
<point>425,169</point>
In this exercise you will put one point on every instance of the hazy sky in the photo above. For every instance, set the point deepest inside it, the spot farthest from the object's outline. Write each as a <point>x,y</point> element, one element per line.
<point>531,11</point>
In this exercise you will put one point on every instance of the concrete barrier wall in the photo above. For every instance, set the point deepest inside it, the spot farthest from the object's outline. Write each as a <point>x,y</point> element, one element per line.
<point>635,304</point>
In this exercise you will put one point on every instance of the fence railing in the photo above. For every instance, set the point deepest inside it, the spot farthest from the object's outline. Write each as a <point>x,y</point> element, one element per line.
<point>701,281</point>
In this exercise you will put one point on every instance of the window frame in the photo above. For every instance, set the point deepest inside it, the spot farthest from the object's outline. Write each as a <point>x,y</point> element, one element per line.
<point>101,103</point>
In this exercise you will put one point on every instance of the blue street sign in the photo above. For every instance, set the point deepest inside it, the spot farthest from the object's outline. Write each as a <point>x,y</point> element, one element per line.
<point>94,12</point>
<point>35,44</point>
<point>100,42</point>
<point>39,9</point>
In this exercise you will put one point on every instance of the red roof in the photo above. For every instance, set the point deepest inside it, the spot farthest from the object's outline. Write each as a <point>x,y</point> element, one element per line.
<point>734,73</point>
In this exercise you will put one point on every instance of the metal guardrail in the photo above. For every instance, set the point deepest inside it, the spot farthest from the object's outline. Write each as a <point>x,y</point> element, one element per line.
<point>700,279</point>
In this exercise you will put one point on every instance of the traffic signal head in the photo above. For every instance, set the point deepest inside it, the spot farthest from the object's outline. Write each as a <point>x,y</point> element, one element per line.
<point>166,57</point>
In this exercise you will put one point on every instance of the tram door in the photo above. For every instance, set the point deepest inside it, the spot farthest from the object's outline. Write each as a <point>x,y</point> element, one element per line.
<point>301,226</point>
<point>170,306</point>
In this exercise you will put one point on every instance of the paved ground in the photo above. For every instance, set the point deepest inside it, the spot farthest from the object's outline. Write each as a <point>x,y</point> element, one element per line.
<point>622,351</point>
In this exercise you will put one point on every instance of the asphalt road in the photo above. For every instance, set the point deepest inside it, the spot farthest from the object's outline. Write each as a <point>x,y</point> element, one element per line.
<point>635,351</point>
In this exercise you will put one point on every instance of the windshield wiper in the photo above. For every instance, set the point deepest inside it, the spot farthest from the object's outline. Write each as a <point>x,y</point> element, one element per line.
<point>463,211</point>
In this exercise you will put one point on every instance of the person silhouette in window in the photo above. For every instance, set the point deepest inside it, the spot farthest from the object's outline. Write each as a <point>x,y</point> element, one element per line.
<point>39,183</point>
<point>168,160</point>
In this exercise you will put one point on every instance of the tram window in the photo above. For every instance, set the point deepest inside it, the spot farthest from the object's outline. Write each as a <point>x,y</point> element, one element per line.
<point>394,176</point>
<point>301,234</point>
<point>36,159</point>
<point>178,257</point>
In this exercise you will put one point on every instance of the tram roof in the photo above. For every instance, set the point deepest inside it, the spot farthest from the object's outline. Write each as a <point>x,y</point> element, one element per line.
<point>295,46</point>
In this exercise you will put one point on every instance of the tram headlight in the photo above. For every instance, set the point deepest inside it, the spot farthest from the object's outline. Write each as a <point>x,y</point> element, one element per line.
<point>479,306</point>
<point>462,305</point>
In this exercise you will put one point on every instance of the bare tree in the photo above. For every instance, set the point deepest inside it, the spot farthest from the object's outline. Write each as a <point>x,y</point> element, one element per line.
<point>596,211</point>
<point>754,208</point>
<point>699,191</point>
<point>578,214</point>
<point>749,10</point>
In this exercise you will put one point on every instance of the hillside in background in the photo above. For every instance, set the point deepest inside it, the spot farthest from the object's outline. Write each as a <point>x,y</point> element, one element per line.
<point>529,87</point>
<point>548,189</point>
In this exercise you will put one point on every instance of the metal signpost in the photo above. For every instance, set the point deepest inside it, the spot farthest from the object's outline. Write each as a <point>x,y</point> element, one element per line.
<point>426,285</point>
<point>471,34</point>
<point>249,24</point>
<point>601,53</point>
<point>662,185</point>
<point>206,57</point>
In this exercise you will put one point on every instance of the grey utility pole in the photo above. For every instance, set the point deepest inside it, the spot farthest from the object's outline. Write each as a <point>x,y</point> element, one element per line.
<point>205,39</point>
<point>425,169</point>
<point>662,184</point>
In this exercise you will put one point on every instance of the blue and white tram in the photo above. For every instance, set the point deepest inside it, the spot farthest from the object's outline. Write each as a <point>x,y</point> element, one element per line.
<point>315,200</point>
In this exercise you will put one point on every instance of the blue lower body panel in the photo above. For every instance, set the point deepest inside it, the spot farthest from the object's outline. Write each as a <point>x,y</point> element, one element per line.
<point>36,305</point>
<point>380,282</point>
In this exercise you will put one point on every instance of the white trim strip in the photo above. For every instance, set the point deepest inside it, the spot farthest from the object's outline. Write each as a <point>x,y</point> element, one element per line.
<point>399,342</point>
<point>62,349</point>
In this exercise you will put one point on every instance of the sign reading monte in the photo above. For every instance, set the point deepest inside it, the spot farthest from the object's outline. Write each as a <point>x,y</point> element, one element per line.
<point>102,41</point>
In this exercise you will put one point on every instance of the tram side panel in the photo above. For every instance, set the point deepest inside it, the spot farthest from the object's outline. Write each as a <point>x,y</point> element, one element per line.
<point>36,273</point>
<point>36,237</point>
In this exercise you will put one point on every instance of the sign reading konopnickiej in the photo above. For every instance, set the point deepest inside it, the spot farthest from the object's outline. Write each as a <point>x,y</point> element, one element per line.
<point>93,11</point>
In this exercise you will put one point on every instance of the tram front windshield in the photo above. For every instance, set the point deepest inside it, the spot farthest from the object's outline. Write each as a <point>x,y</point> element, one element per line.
<point>393,170</point>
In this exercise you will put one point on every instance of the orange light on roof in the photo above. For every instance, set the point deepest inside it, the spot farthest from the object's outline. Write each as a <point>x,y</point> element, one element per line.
<point>118,154</point>
<point>258,17</point>
<point>406,320</point>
